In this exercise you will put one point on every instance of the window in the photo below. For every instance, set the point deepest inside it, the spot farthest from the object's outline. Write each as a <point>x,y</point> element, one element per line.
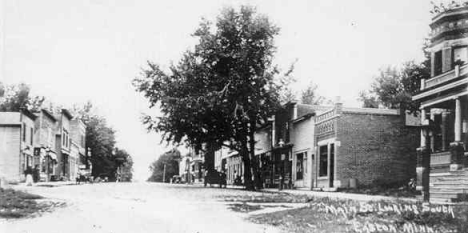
<point>65,139</point>
<point>323,163</point>
<point>24,132</point>
<point>305,163</point>
<point>32,135</point>
<point>49,136</point>
<point>82,140</point>
<point>460,54</point>
<point>438,63</point>
<point>300,166</point>
<point>23,161</point>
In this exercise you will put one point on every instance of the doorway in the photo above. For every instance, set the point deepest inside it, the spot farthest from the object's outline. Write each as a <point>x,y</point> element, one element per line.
<point>332,164</point>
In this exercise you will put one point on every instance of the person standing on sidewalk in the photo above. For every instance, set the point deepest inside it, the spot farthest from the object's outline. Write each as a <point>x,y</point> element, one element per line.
<point>29,176</point>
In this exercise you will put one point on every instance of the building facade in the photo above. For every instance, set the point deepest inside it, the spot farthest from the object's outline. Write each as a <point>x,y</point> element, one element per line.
<point>78,147</point>
<point>45,156</point>
<point>63,145</point>
<point>332,147</point>
<point>16,144</point>
<point>52,145</point>
<point>363,147</point>
<point>444,110</point>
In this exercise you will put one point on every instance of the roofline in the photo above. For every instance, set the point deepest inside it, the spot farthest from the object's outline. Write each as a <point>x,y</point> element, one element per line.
<point>49,114</point>
<point>79,121</point>
<point>374,111</point>
<point>67,113</point>
<point>304,117</point>
<point>449,12</point>
<point>10,125</point>
<point>28,114</point>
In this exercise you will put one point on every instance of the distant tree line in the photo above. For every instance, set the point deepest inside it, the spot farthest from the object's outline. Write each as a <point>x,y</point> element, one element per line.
<point>166,166</point>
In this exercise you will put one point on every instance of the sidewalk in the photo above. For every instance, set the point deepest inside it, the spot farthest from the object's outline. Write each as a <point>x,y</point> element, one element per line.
<point>332,195</point>
<point>341,195</point>
<point>48,184</point>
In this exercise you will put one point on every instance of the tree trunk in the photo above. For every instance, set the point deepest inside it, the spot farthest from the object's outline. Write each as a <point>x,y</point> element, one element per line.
<point>249,185</point>
<point>255,167</point>
<point>209,158</point>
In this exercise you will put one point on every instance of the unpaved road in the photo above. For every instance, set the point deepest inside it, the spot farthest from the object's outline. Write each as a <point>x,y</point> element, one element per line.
<point>135,207</point>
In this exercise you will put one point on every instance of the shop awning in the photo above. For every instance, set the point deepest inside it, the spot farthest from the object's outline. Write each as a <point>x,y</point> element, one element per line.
<point>27,151</point>
<point>53,156</point>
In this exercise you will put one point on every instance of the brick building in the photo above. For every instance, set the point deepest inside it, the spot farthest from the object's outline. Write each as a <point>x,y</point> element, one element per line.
<point>329,147</point>
<point>63,144</point>
<point>45,156</point>
<point>16,144</point>
<point>78,145</point>
<point>444,109</point>
<point>363,146</point>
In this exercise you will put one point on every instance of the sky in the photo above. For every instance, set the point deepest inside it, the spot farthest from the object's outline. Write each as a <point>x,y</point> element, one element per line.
<point>73,51</point>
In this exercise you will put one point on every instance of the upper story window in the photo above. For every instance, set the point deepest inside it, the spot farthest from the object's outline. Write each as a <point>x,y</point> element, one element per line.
<point>49,136</point>
<point>437,63</point>
<point>65,139</point>
<point>24,132</point>
<point>460,54</point>
<point>31,136</point>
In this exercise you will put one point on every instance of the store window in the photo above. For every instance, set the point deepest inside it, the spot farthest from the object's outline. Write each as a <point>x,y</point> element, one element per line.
<point>300,166</point>
<point>323,161</point>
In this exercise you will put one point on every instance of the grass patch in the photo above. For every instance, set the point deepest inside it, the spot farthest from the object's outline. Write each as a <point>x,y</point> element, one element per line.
<point>391,192</point>
<point>244,207</point>
<point>19,204</point>
<point>330,215</point>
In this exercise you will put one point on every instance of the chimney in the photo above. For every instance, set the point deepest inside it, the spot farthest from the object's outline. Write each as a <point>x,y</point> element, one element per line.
<point>338,105</point>
<point>294,116</point>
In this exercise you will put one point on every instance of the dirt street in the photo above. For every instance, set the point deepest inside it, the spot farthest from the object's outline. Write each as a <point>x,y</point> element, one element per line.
<point>135,207</point>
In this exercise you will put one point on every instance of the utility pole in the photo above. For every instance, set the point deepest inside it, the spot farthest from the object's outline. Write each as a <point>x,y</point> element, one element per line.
<point>164,174</point>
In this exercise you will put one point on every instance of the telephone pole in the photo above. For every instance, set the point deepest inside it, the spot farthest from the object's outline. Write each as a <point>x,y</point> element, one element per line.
<point>164,174</point>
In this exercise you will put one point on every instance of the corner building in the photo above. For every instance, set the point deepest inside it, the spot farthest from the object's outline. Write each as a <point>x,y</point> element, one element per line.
<point>444,109</point>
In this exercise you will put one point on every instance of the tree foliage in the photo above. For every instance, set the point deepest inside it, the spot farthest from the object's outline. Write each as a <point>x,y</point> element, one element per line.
<point>100,141</point>
<point>15,97</point>
<point>222,89</point>
<point>310,96</point>
<point>125,161</point>
<point>368,100</point>
<point>171,160</point>
<point>394,88</point>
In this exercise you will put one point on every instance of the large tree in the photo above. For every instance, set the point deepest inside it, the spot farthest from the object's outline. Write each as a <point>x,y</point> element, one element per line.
<point>100,141</point>
<point>125,162</point>
<point>220,91</point>
<point>394,87</point>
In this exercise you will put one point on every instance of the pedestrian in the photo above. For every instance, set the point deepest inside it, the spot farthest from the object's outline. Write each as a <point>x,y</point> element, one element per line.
<point>223,179</point>
<point>29,176</point>
<point>36,174</point>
